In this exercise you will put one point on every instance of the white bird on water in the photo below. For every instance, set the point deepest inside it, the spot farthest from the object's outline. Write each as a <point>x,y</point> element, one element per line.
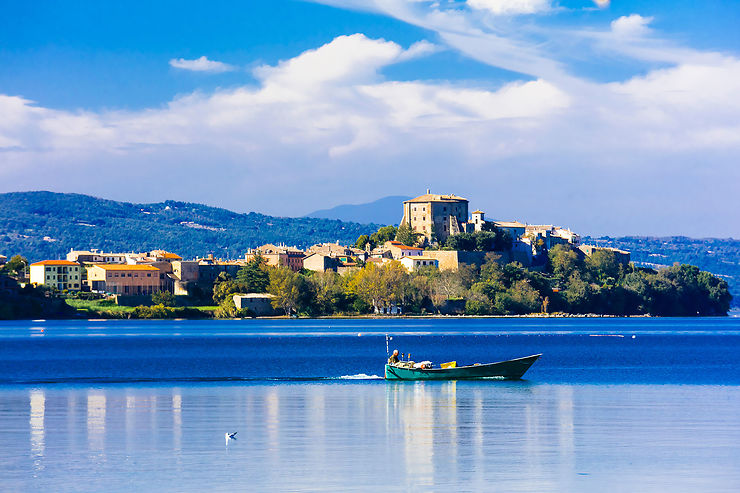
<point>230,436</point>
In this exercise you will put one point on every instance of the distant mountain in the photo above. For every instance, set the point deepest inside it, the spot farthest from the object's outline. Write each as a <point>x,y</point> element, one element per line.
<point>46,225</point>
<point>387,210</point>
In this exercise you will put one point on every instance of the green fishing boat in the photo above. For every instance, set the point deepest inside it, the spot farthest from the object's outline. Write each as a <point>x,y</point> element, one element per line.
<point>512,369</point>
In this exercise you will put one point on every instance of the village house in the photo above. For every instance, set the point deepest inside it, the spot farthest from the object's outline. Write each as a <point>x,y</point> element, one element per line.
<point>622,256</point>
<point>278,256</point>
<point>93,256</point>
<point>124,279</point>
<point>3,259</point>
<point>59,274</point>
<point>515,229</point>
<point>398,250</point>
<point>416,262</point>
<point>209,268</point>
<point>318,262</point>
<point>551,235</point>
<point>331,250</point>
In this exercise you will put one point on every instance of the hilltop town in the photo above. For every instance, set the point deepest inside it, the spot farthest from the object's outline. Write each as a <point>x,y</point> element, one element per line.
<point>440,259</point>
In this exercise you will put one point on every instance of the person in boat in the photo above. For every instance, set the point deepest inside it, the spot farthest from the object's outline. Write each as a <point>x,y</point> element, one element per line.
<point>394,357</point>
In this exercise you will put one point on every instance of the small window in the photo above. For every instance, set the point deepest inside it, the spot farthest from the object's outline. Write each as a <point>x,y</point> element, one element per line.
<point>149,274</point>
<point>129,274</point>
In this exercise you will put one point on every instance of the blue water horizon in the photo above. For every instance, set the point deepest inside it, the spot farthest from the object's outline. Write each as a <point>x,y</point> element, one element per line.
<point>636,404</point>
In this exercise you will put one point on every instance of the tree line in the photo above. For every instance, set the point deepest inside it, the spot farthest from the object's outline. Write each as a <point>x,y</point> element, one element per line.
<point>568,283</point>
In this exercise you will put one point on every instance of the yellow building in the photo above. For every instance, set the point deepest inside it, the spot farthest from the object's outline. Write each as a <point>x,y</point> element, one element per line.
<point>436,216</point>
<point>124,279</point>
<point>60,274</point>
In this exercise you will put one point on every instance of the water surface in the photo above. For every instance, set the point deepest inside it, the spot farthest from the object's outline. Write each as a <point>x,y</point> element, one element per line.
<point>125,405</point>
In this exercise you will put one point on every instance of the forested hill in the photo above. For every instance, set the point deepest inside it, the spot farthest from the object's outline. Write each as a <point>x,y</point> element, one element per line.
<point>45,225</point>
<point>720,256</point>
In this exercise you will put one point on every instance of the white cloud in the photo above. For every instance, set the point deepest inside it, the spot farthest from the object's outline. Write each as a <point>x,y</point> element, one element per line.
<point>633,25</point>
<point>328,113</point>
<point>602,4</point>
<point>202,64</point>
<point>511,7</point>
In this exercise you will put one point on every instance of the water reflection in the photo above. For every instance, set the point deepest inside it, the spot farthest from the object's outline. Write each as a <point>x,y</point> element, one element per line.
<point>96,421</point>
<point>36,422</point>
<point>412,436</point>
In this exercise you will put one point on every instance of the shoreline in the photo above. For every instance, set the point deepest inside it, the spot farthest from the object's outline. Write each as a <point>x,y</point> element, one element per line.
<point>372,317</point>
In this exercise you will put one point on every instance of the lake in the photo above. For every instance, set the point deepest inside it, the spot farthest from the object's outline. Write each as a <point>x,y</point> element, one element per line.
<point>612,405</point>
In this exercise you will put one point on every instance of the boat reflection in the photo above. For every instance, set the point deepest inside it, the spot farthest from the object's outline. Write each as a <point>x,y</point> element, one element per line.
<point>465,430</point>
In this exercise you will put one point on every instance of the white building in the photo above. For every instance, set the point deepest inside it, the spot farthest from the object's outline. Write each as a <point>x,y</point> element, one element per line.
<point>413,263</point>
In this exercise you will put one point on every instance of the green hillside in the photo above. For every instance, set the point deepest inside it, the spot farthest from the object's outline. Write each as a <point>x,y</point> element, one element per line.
<point>46,225</point>
<point>720,256</point>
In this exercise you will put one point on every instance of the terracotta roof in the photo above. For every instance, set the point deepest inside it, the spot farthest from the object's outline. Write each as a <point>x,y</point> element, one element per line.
<point>478,212</point>
<point>431,197</point>
<point>56,262</point>
<point>172,256</point>
<point>126,267</point>
<point>404,247</point>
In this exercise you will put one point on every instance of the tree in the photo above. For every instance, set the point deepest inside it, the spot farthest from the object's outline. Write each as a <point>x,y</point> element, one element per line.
<point>164,298</point>
<point>286,286</point>
<point>462,241</point>
<point>405,235</point>
<point>225,287</point>
<point>368,286</point>
<point>478,303</point>
<point>330,292</point>
<point>362,241</point>
<point>386,233</point>
<point>563,261</point>
<point>254,275</point>
<point>604,264</point>
<point>578,295</point>
<point>448,285</point>
<point>382,286</point>
<point>521,298</point>
<point>15,266</point>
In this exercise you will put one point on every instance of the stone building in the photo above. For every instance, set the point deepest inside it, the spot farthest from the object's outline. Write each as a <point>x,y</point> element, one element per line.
<point>621,256</point>
<point>278,255</point>
<point>259,303</point>
<point>131,280</point>
<point>436,216</point>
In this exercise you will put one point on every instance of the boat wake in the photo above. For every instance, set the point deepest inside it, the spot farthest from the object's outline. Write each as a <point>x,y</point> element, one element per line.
<point>360,376</point>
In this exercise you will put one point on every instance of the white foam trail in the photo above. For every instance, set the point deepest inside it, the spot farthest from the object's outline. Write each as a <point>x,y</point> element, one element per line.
<point>360,376</point>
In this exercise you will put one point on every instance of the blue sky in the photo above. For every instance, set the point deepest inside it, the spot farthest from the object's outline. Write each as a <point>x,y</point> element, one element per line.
<point>610,118</point>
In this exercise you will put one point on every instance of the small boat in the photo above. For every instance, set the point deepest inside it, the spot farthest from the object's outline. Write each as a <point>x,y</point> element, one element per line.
<point>512,369</point>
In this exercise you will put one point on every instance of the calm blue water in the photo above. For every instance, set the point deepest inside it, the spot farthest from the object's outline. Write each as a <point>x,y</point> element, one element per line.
<point>124,405</point>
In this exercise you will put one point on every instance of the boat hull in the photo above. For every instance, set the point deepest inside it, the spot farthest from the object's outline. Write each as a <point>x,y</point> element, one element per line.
<point>506,370</point>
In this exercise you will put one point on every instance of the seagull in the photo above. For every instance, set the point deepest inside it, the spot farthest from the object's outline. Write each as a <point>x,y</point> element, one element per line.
<point>230,436</point>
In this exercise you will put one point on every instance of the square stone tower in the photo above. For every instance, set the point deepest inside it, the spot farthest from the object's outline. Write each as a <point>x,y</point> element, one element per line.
<point>436,216</point>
